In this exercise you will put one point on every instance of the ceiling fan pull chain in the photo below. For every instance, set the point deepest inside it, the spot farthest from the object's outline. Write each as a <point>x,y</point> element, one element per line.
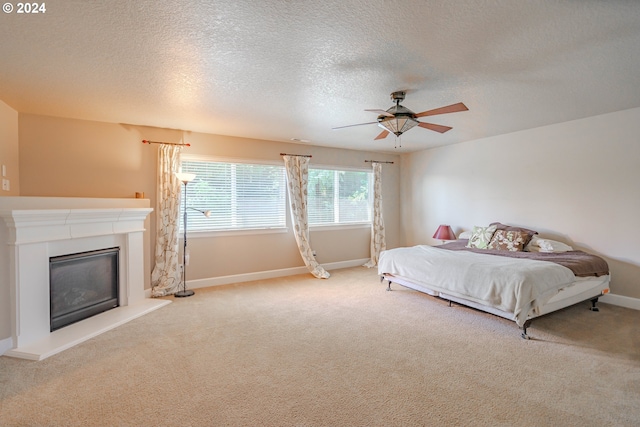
<point>398,138</point>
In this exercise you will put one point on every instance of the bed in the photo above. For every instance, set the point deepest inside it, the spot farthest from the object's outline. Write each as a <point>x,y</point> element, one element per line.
<point>538,277</point>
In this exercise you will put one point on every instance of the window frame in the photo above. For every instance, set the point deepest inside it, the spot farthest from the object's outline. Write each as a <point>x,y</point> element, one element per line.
<point>234,231</point>
<point>346,225</point>
<point>273,230</point>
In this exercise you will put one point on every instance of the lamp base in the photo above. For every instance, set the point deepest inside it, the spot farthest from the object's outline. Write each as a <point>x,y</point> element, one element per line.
<point>185,293</point>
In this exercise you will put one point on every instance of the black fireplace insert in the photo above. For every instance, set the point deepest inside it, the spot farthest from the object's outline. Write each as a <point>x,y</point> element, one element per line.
<point>82,285</point>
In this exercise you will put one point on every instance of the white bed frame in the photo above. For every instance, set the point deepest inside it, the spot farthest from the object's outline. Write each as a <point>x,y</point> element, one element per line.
<point>583,289</point>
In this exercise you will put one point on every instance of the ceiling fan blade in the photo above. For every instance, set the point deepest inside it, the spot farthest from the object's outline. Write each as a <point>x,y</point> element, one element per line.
<point>381,112</point>
<point>437,128</point>
<point>359,124</point>
<point>382,135</point>
<point>453,108</point>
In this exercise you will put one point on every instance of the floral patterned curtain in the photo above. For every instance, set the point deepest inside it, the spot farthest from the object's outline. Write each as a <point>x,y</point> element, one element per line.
<point>166,274</point>
<point>378,242</point>
<point>297,168</point>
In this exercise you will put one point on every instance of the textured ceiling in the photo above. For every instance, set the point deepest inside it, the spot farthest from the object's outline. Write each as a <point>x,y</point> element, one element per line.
<point>277,69</point>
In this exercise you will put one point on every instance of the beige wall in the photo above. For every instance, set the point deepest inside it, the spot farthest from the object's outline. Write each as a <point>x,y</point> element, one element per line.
<point>76,158</point>
<point>9,158</point>
<point>9,149</point>
<point>578,182</point>
<point>575,181</point>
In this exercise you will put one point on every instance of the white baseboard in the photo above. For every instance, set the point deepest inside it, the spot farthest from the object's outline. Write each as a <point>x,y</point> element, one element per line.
<point>270,274</point>
<point>346,264</point>
<point>621,300</point>
<point>6,345</point>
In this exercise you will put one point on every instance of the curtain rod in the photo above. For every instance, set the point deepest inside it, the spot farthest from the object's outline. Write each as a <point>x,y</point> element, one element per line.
<point>296,155</point>
<point>377,161</point>
<point>146,141</point>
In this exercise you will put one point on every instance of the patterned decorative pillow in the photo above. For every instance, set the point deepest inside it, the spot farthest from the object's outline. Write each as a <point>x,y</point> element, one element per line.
<point>530,233</point>
<point>481,236</point>
<point>504,240</point>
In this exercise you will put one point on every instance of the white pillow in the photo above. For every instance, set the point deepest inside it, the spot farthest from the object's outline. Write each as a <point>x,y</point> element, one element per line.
<point>465,235</point>
<point>538,244</point>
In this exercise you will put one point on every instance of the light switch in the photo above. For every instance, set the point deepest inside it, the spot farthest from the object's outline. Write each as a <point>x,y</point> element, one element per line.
<point>5,184</point>
<point>4,170</point>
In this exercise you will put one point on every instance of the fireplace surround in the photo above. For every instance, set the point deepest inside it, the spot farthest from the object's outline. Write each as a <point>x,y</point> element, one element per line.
<point>35,229</point>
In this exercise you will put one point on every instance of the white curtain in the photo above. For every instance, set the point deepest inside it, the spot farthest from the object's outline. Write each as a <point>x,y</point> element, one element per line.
<point>378,242</point>
<point>166,275</point>
<point>297,168</point>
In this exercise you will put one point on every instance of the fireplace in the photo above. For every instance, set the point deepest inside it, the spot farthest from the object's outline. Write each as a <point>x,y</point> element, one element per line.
<point>36,230</point>
<point>82,285</point>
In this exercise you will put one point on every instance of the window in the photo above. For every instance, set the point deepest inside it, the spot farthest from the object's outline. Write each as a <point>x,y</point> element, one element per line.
<point>239,196</point>
<point>339,197</point>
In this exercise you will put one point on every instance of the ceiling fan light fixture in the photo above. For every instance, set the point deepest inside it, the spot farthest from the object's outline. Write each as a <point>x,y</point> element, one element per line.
<point>398,124</point>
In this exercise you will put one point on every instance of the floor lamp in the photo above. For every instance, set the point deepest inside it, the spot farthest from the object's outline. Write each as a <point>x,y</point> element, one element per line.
<point>185,178</point>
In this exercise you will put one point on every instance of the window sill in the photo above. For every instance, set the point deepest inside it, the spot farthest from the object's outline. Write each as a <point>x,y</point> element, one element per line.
<point>220,233</point>
<point>257,231</point>
<point>330,227</point>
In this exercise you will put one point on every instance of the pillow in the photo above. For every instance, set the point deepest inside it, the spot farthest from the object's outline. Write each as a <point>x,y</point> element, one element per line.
<point>464,235</point>
<point>547,245</point>
<point>530,233</point>
<point>507,240</point>
<point>481,236</point>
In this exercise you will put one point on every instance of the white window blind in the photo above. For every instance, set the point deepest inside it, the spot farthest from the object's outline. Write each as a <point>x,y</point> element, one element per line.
<point>240,196</point>
<point>339,197</point>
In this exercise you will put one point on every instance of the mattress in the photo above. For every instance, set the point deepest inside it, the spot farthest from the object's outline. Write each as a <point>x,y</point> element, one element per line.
<point>518,287</point>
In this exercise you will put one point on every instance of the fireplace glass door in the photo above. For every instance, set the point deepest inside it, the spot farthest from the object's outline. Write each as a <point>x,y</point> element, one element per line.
<point>82,285</point>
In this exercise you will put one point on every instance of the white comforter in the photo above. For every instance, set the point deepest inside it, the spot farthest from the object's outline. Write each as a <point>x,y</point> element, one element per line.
<point>518,286</point>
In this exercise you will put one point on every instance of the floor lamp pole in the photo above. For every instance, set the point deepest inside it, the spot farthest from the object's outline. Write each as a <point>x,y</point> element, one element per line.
<point>184,292</point>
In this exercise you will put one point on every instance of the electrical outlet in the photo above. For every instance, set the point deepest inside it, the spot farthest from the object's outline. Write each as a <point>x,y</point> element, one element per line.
<point>5,184</point>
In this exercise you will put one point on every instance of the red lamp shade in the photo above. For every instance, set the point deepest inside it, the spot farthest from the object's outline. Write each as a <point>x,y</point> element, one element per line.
<point>444,232</point>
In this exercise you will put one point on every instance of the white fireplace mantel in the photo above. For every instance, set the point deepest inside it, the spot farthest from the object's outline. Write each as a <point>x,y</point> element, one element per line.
<point>34,230</point>
<point>49,225</point>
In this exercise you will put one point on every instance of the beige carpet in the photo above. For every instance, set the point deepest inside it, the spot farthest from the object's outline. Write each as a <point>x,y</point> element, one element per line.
<point>299,351</point>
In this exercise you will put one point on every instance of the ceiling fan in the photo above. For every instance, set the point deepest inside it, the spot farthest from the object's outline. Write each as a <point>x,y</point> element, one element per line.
<point>399,119</point>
